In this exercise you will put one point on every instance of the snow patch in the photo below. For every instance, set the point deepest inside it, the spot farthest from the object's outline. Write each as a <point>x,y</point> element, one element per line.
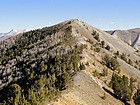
<point>13,32</point>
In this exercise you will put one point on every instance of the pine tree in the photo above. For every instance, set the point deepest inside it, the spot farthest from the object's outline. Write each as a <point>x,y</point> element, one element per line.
<point>14,94</point>
<point>137,97</point>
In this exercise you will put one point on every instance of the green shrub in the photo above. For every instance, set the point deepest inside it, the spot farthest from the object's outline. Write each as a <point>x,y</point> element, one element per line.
<point>87,63</point>
<point>105,72</point>
<point>130,61</point>
<point>103,44</point>
<point>82,66</point>
<point>104,96</point>
<point>14,94</point>
<point>117,53</point>
<point>123,57</point>
<point>107,47</point>
<point>121,87</point>
<point>97,49</point>
<point>111,62</point>
<point>96,35</point>
<point>96,74</point>
<point>137,97</point>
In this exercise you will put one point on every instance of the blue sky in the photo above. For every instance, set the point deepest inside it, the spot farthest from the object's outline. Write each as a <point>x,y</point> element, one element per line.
<point>103,14</point>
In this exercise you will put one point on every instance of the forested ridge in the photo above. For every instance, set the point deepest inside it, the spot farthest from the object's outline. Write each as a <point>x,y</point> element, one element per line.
<point>37,66</point>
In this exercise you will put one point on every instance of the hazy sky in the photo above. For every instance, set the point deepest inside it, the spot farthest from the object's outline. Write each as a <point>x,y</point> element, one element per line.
<point>104,14</point>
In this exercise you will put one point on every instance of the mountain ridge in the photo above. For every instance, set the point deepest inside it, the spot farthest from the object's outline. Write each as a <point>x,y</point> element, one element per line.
<point>128,36</point>
<point>12,32</point>
<point>70,55</point>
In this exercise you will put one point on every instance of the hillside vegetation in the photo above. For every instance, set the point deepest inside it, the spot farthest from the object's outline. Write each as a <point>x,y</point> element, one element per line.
<point>36,67</point>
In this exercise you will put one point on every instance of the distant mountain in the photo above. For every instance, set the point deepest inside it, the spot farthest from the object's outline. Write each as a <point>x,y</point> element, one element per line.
<point>131,36</point>
<point>13,32</point>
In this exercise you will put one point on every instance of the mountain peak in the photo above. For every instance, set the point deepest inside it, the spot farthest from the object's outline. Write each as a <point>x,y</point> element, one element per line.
<point>17,31</point>
<point>13,32</point>
<point>74,20</point>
